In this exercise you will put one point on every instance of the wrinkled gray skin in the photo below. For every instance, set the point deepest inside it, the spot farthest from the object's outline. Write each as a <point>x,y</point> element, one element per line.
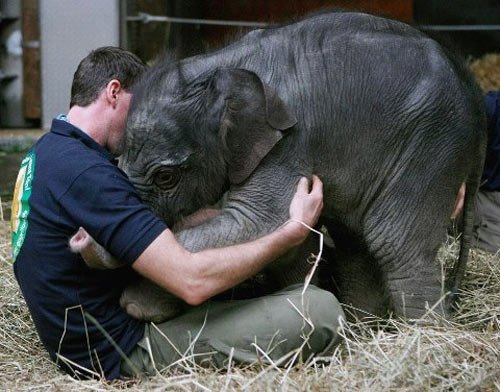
<point>374,107</point>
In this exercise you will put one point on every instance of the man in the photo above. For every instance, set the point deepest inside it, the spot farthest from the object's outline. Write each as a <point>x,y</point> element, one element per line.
<point>69,179</point>
<point>487,202</point>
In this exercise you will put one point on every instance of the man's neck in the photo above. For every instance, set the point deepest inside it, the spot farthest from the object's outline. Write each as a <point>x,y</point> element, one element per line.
<point>89,119</point>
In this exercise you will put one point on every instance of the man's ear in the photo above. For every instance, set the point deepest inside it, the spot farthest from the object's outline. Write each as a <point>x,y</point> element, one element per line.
<point>113,88</point>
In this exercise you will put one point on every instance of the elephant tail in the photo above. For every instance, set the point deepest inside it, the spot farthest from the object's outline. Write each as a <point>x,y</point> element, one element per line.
<point>457,274</point>
<point>472,183</point>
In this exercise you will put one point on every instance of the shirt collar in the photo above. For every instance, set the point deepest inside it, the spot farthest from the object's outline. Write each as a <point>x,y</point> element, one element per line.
<point>61,126</point>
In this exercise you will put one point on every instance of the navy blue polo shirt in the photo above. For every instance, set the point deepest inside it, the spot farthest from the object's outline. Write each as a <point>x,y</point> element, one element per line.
<point>491,171</point>
<point>67,180</point>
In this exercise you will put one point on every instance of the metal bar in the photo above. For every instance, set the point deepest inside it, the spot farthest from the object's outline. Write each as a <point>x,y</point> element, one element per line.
<point>147,18</point>
<point>460,27</point>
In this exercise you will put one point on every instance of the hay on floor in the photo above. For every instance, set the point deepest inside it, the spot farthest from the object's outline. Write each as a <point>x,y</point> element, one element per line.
<point>434,354</point>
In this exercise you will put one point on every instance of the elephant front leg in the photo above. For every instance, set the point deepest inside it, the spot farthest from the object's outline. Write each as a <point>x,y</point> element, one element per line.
<point>237,222</point>
<point>145,300</point>
<point>142,300</point>
<point>298,263</point>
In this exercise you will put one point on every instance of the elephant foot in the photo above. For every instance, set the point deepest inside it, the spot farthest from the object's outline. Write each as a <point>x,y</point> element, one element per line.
<point>134,310</point>
<point>146,301</point>
<point>412,299</point>
<point>363,307</point>
<point>415,306</point>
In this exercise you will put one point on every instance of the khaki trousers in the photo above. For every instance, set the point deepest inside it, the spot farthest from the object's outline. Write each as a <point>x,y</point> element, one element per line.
<point>247,331</point>
<point>487,221</point>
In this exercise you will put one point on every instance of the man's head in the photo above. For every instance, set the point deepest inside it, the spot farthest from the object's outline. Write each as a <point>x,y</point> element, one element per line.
<point>100,67</point>
<point>100,95</point>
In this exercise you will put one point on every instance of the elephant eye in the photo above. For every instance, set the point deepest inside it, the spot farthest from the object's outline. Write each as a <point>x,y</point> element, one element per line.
<point>167,178</point>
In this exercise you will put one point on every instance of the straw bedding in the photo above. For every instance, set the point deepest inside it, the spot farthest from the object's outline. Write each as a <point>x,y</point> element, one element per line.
<point>487,71</point>
<point>380,355</point>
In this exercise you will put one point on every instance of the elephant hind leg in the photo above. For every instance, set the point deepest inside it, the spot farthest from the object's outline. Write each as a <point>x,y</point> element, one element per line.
<point>407,261</point>
<point>404,228</point>
<point>414,293</point>
<point>366,289</point>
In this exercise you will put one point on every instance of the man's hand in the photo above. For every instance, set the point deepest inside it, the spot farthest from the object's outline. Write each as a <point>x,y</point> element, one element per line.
<point>306,206</point>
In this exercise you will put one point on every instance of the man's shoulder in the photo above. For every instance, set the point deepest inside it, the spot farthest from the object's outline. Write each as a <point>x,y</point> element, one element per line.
<point>67,154</point>
<point>60,161</point>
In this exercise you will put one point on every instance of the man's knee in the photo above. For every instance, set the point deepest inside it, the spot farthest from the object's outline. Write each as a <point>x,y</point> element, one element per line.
<point>318,303</point>
<point>324,309</point>
<point>486,222</point>
<point>320,313</point>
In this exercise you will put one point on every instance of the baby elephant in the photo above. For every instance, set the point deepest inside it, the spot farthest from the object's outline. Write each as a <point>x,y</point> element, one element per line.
<point>142,300</point>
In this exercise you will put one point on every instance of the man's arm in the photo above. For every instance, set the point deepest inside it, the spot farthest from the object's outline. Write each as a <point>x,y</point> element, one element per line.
<point>95,256</point>
<point>195,277</point>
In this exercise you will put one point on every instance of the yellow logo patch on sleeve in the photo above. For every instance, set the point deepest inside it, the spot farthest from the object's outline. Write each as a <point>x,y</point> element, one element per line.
<point>20,203</point>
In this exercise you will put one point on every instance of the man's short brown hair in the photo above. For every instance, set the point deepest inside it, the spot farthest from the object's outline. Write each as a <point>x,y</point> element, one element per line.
<point>98,68</point>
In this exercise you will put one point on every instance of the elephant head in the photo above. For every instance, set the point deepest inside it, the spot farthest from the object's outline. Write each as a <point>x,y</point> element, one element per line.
<point>187,141</point>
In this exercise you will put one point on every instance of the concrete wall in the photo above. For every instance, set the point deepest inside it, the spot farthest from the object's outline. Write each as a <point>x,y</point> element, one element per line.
<point>69,30</point>
<point>11,66</point>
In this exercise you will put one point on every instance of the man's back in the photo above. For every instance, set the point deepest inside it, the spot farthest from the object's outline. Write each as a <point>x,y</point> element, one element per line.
<point>70,181</point>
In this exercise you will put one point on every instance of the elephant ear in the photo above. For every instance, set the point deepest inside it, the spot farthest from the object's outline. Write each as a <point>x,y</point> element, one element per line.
<point>253,120</point>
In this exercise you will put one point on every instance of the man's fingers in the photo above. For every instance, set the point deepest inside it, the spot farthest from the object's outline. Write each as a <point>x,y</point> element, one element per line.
<point>307,202</point>
<point>317,185</point>
<point>303,185</point>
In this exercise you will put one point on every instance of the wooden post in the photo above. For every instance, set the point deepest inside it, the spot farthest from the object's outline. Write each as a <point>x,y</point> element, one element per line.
<point>31,60</point>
